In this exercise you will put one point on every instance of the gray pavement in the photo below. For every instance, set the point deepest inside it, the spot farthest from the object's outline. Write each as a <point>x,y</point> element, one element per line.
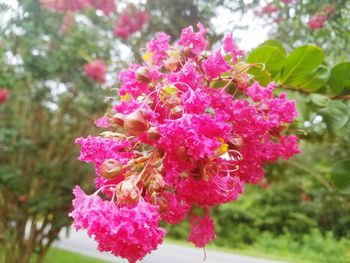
<point>166,253</point>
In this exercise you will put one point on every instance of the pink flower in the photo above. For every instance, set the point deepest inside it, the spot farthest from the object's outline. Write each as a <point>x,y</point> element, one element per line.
<point>65,5</point>
<point>267,10</point>
<point>4,93</point>
<point>289,1</point>
<point>214,65</point>
<point>130,21</point>
<point>158,47</point>
<point>317,21</point>
<point>179,139</point>
<point>186,77</point>
<point>231,47</point>
<point>102,122</point>
<point>97,149</point>
<point>96,70</point>
<point>130,233</point>
<point>202,230</point>
<point>106,6</point>
<point>129,83</point>
<point>176,209</point>
<point>67,22</point>
<point>195,40</point>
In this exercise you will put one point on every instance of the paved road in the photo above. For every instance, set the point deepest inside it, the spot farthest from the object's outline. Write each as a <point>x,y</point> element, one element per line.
<point>167,253</point>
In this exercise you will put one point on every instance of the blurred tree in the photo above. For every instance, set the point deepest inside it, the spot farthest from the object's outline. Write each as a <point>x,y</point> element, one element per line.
<point>51,103</point>
<point>325,23</point>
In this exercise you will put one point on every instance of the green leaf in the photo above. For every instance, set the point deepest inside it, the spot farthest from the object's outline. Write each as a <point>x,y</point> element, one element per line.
<point>340,78</point>
<point>311,82</point>
<point>319,100</point>
<point>301,62</point>
<point>271,56</point>
<point>262,76</point>
<point>336,115</point>
<point>274,43</point>
<point>341,176</point>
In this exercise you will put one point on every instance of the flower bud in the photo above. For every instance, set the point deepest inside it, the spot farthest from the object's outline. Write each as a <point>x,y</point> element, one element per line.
<point>236,140</point>
<point>135,123</point>
<point>172,64</point>
<point>175,112</point>
<point>111,169</point>
<point>143,75</point>
<point>127,192</point>
<point>172,101</point>
<point>117,118</point>
<point>187,51</point>
<point>153,133</point>
<point>181,154</point>
<point>158,183</point>
<point>159,200</point>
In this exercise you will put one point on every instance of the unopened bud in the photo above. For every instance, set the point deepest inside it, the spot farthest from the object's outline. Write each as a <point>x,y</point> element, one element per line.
<point>159,200</point>
<point>111,169</point>
<point>135,123</point>
<point>143,75</point>
<point>158,183</point>
<point>236,140</point>
<point>117,118</point>
<point>181,154</point>
<point>172,64</point>
<point>175,112</point>
<point>172,101</point>
<point>153,133</point>
<point>187,51</point>
<point>127,192</point>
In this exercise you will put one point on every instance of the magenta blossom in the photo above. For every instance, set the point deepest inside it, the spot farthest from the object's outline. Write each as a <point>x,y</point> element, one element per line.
<point>96,70</point>
<point>191,129</point>
<point>130,21</point>
<point>317,21</point>
<point>4,93</point>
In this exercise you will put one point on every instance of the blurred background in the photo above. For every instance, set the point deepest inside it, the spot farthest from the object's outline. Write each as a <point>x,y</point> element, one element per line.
<point>300,212</point>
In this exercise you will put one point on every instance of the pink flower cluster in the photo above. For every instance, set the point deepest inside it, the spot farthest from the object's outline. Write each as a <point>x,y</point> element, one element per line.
<point>130,21</point>
<point>107,6</point>
<point>191,129</point>
<point>3,95</point>
<point>318,20</point>
<point>96,70</point>
<point>126,232</point>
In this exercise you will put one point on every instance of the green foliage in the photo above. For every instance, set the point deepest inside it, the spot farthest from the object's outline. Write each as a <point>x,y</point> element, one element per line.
<point>340,78</point>
<point>341,176</point>
<point>313,247</point>
<point>272,56</point>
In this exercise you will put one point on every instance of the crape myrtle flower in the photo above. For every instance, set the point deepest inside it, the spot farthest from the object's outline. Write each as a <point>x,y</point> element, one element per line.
<point>189,130</point>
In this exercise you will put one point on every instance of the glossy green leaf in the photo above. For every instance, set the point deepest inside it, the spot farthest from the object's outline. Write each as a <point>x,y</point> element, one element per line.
<point>341,176</point>
<point>319,100</point>
<point>336,115</point>
<point>301,62</point>
<point>340,78</point>
<point>262,76</point>
<point>271,56</point>
<point>311,82</point>
<point>274,43</point>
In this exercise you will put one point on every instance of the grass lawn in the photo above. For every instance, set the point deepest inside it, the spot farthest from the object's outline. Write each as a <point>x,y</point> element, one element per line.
<point>56,255</point>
